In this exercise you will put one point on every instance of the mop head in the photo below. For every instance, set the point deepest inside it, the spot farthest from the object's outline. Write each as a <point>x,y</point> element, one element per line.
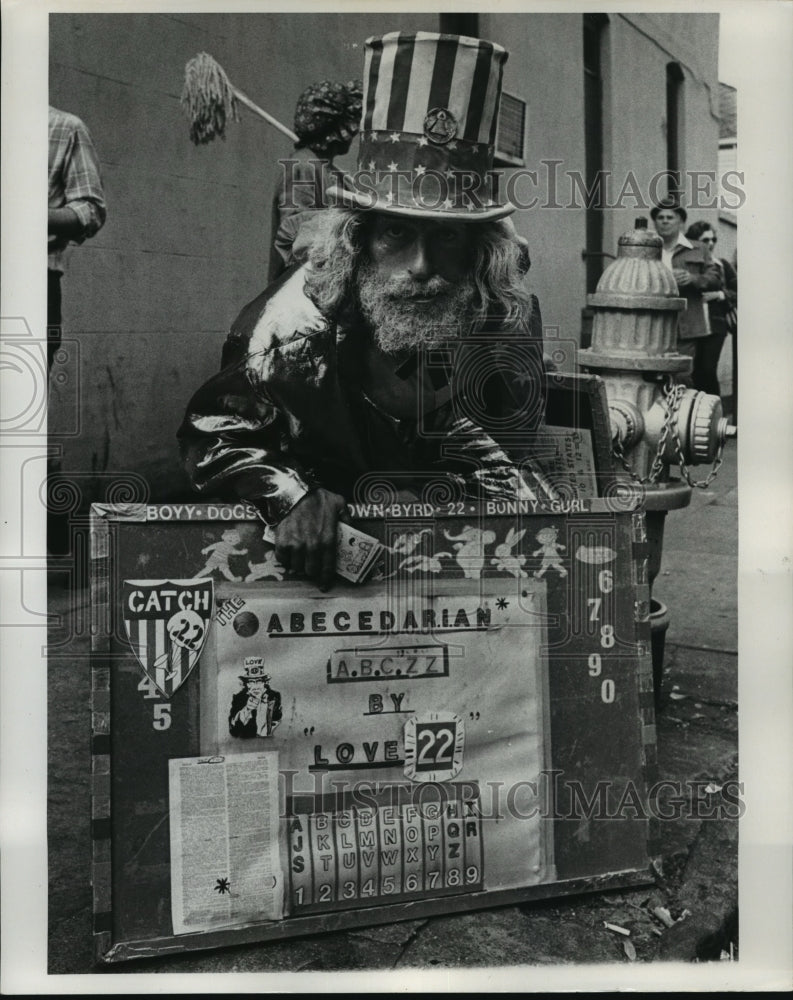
<point>208,99</point>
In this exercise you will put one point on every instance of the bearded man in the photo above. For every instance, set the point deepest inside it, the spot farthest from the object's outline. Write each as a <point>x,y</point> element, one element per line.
<point>406,350</point>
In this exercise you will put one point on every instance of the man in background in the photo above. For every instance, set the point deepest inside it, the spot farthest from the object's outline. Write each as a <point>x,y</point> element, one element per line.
<point>695,272</point>
<point>327,118</point>
<point>77,211</point>
<point>76,203</point>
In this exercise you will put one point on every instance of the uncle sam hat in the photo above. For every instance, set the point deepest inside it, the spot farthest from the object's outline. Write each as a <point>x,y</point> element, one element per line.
<point>254,669</point>
<point>430,107</point>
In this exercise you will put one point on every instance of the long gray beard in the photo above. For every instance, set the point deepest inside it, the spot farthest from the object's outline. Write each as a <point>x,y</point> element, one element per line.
<point>399,323</point>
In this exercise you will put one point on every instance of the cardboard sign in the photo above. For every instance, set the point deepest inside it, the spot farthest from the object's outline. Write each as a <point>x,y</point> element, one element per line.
<point>385,699</point>
<point>470,726</point>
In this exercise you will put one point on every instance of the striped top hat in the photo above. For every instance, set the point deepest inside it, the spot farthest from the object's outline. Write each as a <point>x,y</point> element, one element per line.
<point>430,107</point>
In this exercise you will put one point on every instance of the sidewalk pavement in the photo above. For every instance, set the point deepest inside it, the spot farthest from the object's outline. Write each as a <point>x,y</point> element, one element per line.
<point>695,891</point>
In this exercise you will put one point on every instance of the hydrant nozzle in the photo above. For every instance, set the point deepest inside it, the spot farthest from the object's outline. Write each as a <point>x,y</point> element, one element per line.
<point>627,423</point>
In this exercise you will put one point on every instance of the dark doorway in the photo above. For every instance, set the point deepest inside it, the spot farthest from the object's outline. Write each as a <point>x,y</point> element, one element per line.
<point>459,24</point>
<point>674,120</point>
<point>595,26</point>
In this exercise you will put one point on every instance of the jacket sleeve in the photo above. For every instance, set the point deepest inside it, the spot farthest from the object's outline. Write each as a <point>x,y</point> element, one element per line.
<point>730,283</point>
<point>501,428</point>
<point>235,444</point>
<point>710,278</point>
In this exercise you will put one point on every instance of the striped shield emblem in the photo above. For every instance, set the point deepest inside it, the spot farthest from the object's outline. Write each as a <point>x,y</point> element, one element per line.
<point>167,623</point>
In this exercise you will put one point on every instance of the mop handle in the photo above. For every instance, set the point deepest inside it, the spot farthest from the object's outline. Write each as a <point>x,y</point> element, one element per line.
<point>244,99</point>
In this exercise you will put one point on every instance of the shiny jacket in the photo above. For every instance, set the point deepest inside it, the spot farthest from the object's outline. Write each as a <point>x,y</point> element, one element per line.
<point>286,414</point>
<point>706,277</point>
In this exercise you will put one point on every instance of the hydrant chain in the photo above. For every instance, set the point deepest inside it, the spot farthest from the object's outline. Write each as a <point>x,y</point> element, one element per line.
<point>671,403</point>
<point>620,454</point>
<point>672,398</point>
<point>673,394</point>
<point>670,392</point>
<point>702,484</point>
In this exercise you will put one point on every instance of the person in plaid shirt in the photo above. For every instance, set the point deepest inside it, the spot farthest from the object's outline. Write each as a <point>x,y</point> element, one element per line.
<point>76,206</point>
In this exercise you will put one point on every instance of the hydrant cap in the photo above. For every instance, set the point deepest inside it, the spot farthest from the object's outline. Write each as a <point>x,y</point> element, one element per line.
<point>705,433</point>
<point>638,279</point>
<point>640,243</point>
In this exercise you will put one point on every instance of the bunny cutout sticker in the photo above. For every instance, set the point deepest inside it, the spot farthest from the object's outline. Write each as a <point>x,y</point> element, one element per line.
<point>505,558</point>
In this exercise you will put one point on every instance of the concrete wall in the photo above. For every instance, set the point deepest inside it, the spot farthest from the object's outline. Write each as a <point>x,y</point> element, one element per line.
<point>641,47</point>
<point>727,230</point>
<point>186,243</point>
<point>545,67</point>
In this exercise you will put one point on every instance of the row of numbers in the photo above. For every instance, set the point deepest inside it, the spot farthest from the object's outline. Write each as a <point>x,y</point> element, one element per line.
<point>608,689</point>
<point>389,885</point>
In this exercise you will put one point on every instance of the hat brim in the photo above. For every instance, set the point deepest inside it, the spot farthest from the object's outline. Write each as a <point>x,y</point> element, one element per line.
<point>345,198</point>
<point>681,213</point>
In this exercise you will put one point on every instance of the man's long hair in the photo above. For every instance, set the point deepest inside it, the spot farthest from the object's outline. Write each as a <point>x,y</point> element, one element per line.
<point>337,249</point>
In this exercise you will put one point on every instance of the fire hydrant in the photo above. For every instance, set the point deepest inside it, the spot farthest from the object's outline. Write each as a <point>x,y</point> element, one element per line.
<point>655,421</point>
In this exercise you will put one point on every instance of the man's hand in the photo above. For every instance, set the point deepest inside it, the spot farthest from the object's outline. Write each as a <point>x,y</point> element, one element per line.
<point>305,541</point>
<point>682,277</point>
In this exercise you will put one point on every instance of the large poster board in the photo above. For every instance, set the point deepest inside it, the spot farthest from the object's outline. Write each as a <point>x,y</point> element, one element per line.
<point>470,726</point>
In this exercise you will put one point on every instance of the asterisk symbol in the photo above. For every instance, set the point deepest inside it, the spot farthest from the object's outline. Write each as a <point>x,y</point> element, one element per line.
<point>502,603</point>
<point>222,886</point>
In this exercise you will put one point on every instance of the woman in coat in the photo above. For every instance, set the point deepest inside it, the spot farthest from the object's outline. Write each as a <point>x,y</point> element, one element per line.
<point>721,305</point>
